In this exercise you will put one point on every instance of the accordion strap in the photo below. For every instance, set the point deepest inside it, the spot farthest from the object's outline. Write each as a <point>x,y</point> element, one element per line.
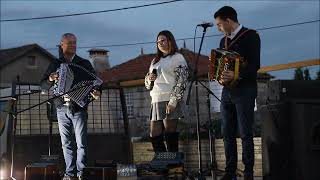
<point>236,69</point>
<point>226,42</point>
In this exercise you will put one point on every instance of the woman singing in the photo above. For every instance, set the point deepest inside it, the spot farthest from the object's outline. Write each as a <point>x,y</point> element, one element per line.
<point>167,79</point>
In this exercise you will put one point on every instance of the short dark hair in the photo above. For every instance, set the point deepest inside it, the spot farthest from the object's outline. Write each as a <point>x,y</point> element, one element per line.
<point>226,12</point>
<point>65,35</point>
<point>172,45</point>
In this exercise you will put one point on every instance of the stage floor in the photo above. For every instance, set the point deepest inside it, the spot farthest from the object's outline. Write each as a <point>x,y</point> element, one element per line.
<point>238,178</point>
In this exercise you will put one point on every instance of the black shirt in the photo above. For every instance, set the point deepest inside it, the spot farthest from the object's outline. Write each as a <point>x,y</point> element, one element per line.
<point>248,46</point>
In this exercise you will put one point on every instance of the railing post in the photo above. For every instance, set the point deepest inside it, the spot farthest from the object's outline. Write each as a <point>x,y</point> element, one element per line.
<point>124,112</point>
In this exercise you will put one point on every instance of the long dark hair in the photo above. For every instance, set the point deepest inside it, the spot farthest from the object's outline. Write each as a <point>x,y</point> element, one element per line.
<point>173,48</point>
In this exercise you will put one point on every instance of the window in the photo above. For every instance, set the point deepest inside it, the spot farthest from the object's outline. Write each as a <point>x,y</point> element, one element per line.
<point>129,103</point>
<point>130,110</point>
<point>32,61</point>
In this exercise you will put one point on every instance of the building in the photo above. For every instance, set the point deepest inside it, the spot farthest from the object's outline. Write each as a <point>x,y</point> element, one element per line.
<point>25,63</point>
<point>130,75</point>
<point>107,122</point>
<point>99,59</point>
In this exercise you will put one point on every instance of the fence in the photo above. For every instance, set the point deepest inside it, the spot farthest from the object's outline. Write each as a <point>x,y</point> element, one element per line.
<point>138,102</point>
<point>105,115</point>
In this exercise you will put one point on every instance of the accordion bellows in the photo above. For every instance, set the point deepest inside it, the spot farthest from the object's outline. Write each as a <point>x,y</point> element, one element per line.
<point>222,60</point>
<point>76,82</point>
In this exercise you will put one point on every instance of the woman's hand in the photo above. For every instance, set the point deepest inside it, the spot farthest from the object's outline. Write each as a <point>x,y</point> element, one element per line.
<point>152,77</point>
<point>170,109</point>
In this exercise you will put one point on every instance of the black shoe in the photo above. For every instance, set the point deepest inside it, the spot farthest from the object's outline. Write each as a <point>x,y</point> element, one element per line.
<point>228,177</point>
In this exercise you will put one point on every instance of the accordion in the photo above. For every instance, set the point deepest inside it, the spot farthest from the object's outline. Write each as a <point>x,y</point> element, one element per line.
<point>76,82</point>
<point>222,60</point>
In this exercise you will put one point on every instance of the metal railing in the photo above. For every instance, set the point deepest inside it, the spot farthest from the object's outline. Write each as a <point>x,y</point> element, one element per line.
<point>105,115</point>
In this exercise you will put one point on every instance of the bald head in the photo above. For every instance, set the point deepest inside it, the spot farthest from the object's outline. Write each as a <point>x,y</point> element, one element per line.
<point>68,44</point>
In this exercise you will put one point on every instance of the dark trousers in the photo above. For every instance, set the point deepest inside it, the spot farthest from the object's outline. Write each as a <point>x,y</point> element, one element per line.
<point>237,110</point>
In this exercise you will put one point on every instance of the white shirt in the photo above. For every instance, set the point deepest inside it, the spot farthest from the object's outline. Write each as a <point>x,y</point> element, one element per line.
<point>235,32</point>
<point>169,86</point>
<point>70,59</point>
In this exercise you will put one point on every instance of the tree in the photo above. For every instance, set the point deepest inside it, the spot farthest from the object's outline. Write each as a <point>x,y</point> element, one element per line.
<point>298,74</point>
<point>306,74</point>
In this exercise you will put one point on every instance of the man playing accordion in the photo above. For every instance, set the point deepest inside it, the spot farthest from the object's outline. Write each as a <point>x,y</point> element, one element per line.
<point>71,116</point>
<point>237,103</point>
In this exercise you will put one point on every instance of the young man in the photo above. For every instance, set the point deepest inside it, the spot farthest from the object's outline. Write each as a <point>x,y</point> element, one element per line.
<point>71,117</point>
<point>237,104</point>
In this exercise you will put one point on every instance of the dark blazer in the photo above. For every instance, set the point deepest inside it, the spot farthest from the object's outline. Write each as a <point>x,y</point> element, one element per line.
<point>46,84</point>
<point>248,46</point>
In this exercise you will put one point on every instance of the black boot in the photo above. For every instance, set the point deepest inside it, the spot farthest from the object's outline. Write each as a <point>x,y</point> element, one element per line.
<point>158,144</point>
<point>172,140</point>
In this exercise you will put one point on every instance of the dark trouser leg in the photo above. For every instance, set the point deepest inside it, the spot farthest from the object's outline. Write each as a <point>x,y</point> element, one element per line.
<point>158,143</point>
<point>229,130</point>
<point>172,137</point>
<point>156,136</point>
<point>172,140</point>
<point>245,114</point>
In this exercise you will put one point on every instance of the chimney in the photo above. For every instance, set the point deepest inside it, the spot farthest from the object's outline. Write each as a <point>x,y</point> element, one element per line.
<point>141,51</point>
<point>99,59</point>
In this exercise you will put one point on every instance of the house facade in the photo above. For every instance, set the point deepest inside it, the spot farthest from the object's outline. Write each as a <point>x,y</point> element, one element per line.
<point>130,75</point>
<point>25,63</point>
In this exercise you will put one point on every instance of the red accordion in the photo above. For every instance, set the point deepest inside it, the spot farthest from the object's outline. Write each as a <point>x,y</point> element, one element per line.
<point>222,60</point>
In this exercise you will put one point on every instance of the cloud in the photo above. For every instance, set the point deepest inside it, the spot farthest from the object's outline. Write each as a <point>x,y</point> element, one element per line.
<point>142,25</point>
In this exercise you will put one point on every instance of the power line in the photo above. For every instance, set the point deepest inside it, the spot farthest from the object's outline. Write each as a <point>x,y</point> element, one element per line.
<point>190,38</point>
<point>294,24</point>
<point>86,13</point>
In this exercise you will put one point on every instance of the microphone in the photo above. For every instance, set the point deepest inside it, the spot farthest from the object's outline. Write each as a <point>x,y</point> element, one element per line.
<point>154,71</point>
<point>42,91</point>
<point>206,24</point>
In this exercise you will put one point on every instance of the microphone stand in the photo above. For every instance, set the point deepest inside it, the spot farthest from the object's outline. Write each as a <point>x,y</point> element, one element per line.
<point>195,80</point>
<point>29,92</point>
<point>13,116</point>
<point>13,119</point>
<point>212,142</point>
